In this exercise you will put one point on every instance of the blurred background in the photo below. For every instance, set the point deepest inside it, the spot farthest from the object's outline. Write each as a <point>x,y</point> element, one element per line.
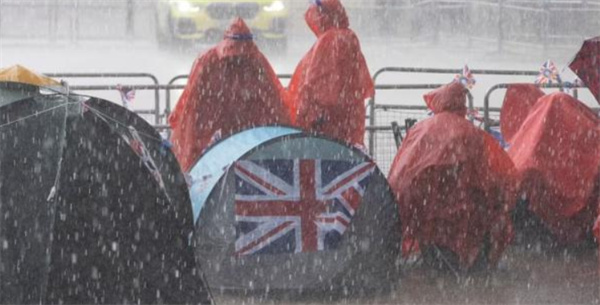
<point>515,25</point>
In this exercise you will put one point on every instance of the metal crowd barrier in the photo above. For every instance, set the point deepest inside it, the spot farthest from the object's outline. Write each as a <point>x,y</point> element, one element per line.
<point>487,122</point>
<point>156,87</point>
<point>373,106</point>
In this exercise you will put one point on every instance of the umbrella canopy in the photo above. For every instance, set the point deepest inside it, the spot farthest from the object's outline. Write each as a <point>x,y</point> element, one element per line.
<point>587,65</point>
<point>94,207</point>
<point>278,209</point>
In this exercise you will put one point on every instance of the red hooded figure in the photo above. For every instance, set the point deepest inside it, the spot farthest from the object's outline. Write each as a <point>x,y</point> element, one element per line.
<point>518,101</point>
<point>454,184</point>
<point>556,153</point>
<point>231,87</point>
<point>332,81</point>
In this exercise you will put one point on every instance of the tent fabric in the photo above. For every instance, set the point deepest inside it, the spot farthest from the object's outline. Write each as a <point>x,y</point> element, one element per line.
<point>263,226</point>
<point>332,81</point>
<point>454,186</point>
<point>556,155</point>
<point>586,65</point>
<point>518,101</point>
<point>20,74</point>
<point>448,98</point>
<point>11,92</point>
<point>87,216</point>
<point>231,87</point>
<point>214,163</point>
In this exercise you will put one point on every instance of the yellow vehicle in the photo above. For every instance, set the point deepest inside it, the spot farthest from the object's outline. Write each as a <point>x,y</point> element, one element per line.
<point>205,20</point>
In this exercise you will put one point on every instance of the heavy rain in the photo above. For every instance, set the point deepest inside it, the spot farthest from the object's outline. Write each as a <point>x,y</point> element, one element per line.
<point>299,152</point>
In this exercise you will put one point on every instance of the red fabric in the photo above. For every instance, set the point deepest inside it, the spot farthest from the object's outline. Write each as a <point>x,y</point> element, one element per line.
<point>556,156</point>
<point>518,101</point>
<point>231,87</point>
<point>454,185</point>
<point>332,81</point>
<point>448,98</point>
<point>587,65</point>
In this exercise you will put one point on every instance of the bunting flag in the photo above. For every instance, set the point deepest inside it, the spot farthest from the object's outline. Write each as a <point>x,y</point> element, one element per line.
<point>475,115</point>
<point>127,95</point>
<point>466,78</point>
<point>84,107</point>
<point>135,141</point>
<point>165,146</point>
<point>548,74</point>
<point>577,83</point>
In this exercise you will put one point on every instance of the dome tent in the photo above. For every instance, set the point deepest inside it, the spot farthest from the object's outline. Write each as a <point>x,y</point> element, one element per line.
<point>277,209</point>
<point>18,82</point>
<point>94,207</point>
<point>22,75</point>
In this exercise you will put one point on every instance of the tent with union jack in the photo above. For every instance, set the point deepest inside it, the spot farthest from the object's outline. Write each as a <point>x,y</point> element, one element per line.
<point>285,210</point>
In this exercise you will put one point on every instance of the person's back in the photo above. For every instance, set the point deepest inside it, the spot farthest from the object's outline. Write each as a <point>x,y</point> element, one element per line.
<point>332,81</point>
<point>555,152</point>
<point>232,87</point>
<point>454,185</point>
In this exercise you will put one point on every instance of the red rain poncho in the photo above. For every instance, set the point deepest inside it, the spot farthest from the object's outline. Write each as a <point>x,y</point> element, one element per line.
<point>556,153</point>
<point>518,101</point>
<point>231,87</point>
<point>453,182</point>
<point>586,65</point>
<point>332,81</point>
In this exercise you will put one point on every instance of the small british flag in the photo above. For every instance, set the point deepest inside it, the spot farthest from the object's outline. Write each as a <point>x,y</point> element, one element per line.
<point>548,74</point>
<point>466,78</point>
<point>127,95</point>
<point>475,115</point>
<point>298,205</point>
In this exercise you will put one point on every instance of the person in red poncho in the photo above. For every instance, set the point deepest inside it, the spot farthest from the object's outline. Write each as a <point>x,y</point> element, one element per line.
<point>556,153</point>
<point>454,186</point>
<point>518,101</point>
<point>332,81</point>
<point>231,87</point>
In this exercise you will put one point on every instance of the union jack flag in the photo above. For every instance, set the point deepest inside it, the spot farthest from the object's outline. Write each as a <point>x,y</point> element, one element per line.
<point>466,78</point>
<point>127,95</point>
<point>293,206</point>
<point>548,74</point>
<point>475,115</point>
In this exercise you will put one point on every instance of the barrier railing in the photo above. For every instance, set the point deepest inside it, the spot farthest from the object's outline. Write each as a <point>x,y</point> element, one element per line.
<point>372,128</point>
<point>156,87</point>
<point>487,122</point>
<point>373,106</point>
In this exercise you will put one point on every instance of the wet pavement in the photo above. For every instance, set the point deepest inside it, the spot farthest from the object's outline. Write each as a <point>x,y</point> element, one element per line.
<point>525,276</point>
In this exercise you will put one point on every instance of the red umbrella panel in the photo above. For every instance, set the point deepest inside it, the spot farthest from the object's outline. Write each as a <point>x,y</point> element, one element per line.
<point>586,65</point>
